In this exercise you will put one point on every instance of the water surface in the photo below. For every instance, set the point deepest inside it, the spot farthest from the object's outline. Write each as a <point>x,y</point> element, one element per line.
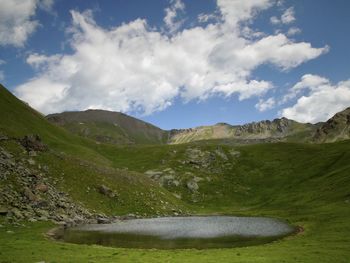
<point>181,232</point>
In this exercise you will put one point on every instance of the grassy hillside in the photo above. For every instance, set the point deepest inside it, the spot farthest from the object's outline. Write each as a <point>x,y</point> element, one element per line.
<point>109,127</point>
<point>77,167</point>
<point>308,185</point>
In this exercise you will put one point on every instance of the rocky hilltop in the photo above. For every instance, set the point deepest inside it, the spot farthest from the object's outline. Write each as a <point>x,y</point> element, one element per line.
<point>264,131</point>
<point>335,129</point>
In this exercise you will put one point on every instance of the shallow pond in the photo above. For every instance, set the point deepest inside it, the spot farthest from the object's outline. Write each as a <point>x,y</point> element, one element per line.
<point>181,232</point>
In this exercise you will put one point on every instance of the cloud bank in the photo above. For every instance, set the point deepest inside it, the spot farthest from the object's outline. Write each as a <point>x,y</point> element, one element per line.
<point>137,68</point>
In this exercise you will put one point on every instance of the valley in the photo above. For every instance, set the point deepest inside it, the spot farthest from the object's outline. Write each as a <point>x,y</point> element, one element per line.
<point>68,169</point>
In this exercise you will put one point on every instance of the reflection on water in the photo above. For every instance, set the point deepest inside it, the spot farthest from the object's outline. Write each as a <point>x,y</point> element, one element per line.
<point>181,232</point>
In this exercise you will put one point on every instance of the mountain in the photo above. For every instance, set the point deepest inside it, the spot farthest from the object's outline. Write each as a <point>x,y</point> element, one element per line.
<point>336,128</point>
<point>264,131</point>
<point>118,128</point>
<point>109,127</point>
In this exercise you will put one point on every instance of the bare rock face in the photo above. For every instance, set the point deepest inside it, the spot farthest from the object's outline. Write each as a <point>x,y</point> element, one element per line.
<point>254,132</point>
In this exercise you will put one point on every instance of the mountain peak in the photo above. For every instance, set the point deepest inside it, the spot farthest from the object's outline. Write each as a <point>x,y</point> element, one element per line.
<point>335,129</point>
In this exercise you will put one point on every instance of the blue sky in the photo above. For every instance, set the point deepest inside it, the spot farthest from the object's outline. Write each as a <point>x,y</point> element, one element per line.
<point>179,63</point>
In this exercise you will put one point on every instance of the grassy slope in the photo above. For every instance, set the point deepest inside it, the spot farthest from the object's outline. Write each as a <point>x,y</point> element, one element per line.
<point>305,184</point>
<point>109,127</point>
<point>77,166</point>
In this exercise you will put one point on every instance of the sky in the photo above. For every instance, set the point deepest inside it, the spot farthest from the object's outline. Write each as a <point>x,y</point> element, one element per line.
<point>179,63</point>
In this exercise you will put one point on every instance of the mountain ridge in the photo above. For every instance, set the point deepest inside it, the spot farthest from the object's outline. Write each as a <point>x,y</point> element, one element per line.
<point>119,128</point>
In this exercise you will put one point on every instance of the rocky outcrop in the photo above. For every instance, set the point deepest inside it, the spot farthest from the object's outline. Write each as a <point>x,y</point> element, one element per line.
<point>335,129</point>
<point>28,193</point>
<point>33,143</point>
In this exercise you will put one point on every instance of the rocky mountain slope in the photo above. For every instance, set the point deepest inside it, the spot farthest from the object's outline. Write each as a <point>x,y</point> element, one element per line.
<point>336,128</point>
<point>264,131</point>
<point>109,127</point>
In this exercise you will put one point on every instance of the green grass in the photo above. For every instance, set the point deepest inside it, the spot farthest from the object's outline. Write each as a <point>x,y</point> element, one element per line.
<point>308,185</point>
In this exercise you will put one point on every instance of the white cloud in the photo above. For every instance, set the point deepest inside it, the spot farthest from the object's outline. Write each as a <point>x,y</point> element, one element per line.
<point>204,18</point>
<point>293,31</point>
<point>16,20</point>
<point>171,19</point>
<point>235,11</point>
<point>322,101</point>
<point>287,17</point>
<point>307,82</point>
<point>134,67</point>
<point>2,62</point>
<point>275,20</point>
<point>264,105</point>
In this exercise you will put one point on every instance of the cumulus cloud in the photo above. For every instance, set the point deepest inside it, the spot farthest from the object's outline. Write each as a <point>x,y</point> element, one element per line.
<point>235,11</point>
<point>264,105</point>
<point>321,101</point>
<point>137,68</point>
<point>287,17</point>
<point>16,20</point>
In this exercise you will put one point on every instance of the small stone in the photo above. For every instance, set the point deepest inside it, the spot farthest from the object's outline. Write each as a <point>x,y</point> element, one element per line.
<point>32,153</point>
<point>31,161</point>
<point>42,188</point>
<point>192,185</point>
<point>29,194</point>
<point>102,220</point>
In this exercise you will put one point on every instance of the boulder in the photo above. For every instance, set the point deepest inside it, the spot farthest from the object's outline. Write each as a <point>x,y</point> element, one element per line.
<point>106,191</point>
<point>192,185</point>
